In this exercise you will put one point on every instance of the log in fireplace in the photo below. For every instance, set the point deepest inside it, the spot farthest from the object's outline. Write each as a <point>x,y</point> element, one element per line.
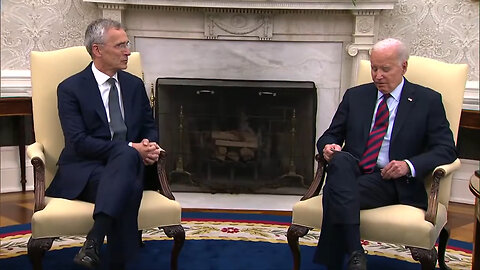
<point>237,136</point>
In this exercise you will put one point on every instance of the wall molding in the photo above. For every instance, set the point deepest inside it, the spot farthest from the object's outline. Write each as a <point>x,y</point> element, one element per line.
<point>471,96</point>
<point>10,170</point>
<point>16,83</point>
<point>461,179</point>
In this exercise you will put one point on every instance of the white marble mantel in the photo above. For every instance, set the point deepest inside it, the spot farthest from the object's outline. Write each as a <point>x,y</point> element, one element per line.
<point>260,4</point>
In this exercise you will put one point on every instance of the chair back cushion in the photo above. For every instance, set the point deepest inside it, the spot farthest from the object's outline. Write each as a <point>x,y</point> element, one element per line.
<point>447,79</point>
<point>48,69</point>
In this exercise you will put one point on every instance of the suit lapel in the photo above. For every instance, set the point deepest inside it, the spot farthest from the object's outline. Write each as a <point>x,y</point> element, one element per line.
<point>407,100</point>
<point>92,91</point>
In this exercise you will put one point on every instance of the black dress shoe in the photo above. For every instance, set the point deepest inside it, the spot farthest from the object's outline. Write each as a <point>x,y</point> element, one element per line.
<point>358,261</point>
<point>88,255</point>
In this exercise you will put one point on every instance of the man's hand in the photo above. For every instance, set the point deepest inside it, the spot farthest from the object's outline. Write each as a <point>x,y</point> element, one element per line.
<point>149,151</point>
<point>329,150</point>
<point>395,169</point>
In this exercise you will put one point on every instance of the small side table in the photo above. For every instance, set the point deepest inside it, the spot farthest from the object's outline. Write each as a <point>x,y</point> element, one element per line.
<point>475,189</point>
<point>19,107</point>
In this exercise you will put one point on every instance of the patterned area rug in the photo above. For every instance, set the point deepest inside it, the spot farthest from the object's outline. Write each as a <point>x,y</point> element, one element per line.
<point>235,227</point>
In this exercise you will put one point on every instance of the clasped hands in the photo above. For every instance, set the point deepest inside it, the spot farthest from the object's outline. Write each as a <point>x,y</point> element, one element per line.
<point>149,151</point>
<point>394,169</point>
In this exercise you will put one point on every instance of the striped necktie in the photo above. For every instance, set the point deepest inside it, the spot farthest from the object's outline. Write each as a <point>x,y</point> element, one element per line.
<point>369,158</point>
<point>116,120</point>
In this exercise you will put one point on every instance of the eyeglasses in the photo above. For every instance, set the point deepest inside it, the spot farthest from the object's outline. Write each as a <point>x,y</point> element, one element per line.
<point>120,46</point>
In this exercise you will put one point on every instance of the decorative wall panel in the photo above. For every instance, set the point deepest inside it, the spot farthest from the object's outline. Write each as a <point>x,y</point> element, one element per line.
<point>446,30</point>
<point>41,25</point>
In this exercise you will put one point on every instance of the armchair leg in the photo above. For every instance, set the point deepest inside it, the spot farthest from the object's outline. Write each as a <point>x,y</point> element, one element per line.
<point>36,249</point>
<point>293,234</point>
<point>178,234</point>
<point>442,246</point>
<point>428,258</point>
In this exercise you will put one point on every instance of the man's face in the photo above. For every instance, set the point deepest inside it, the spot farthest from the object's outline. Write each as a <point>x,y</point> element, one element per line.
<point>387,71</point>
<point>112,55</point>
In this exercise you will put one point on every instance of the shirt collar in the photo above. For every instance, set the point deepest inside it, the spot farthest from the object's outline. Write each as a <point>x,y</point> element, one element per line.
<point>101,77</point>
<point>395,93</point>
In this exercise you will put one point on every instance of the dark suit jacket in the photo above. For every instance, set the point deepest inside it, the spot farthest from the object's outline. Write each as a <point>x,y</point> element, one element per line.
<point>420,133</point>
<point>85,127</point>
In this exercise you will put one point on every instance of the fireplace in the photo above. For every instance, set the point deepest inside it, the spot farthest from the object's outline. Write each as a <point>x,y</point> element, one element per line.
<point>321,41</point>
<point>237,136</point>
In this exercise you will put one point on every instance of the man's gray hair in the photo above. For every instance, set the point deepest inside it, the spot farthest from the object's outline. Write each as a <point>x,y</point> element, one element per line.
<point>402,50</point>
<point>96,30</point>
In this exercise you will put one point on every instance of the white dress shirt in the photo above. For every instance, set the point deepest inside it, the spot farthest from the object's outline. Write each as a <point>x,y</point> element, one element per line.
<point>104,86</point>
<point>392,103</point>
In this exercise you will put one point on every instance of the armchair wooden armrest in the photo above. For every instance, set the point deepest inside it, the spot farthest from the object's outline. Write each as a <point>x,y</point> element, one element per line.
<point>318,180</point>
<point>162,176</point>
<point>439,173</point>
<point>37,157</point>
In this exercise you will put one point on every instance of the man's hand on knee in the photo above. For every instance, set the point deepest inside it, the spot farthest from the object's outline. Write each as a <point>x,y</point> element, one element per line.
<point>329,150</point>
<point>149,151</point>
<point>395,169</point>
<point>153,153</point>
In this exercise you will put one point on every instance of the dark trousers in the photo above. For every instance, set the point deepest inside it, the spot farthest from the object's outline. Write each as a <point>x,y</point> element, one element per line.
<point>346,191</point>
<point>116,189</point>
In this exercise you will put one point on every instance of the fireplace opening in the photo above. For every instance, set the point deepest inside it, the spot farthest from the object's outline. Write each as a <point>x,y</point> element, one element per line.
<point>237,136</point>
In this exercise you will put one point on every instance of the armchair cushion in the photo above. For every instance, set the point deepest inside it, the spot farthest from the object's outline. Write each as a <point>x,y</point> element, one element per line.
<point>62,217</point>
<point>400,224</point>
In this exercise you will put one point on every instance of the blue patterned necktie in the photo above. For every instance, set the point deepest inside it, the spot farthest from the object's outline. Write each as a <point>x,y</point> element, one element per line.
<point>369,158</point>
<point>116,120</point>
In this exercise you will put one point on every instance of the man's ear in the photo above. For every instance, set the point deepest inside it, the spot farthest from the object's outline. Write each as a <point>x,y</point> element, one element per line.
<point>96,50</point>
<point>404,67</point>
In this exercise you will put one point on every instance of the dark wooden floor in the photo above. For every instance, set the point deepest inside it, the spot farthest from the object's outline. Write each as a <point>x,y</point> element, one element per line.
<point>17,208</point>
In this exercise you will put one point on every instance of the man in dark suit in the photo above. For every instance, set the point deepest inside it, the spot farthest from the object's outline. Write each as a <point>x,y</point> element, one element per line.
<point>393,134</point>
<point>110,140</point>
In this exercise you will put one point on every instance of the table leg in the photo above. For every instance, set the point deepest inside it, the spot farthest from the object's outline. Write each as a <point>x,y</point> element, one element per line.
<point>21,150</point>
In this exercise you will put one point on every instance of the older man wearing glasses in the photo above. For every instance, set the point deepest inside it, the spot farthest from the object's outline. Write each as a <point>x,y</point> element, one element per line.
<point>110,143</point>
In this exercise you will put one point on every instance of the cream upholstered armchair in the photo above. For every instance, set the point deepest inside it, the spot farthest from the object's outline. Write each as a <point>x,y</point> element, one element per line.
<point>399,224</point>
<point>55,217</point>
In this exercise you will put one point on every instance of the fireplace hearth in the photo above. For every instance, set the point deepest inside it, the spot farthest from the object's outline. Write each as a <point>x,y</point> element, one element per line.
<point>237,136</point>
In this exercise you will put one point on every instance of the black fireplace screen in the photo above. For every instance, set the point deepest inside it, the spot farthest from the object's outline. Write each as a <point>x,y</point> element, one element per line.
<point>237,136</point>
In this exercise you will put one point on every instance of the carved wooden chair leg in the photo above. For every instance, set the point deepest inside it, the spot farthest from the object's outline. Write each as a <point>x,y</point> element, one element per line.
<point>428,258</point>
<point>178,234</point>
<point>442,246</point>
<point>293,234</point>
<point>36,250</point>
